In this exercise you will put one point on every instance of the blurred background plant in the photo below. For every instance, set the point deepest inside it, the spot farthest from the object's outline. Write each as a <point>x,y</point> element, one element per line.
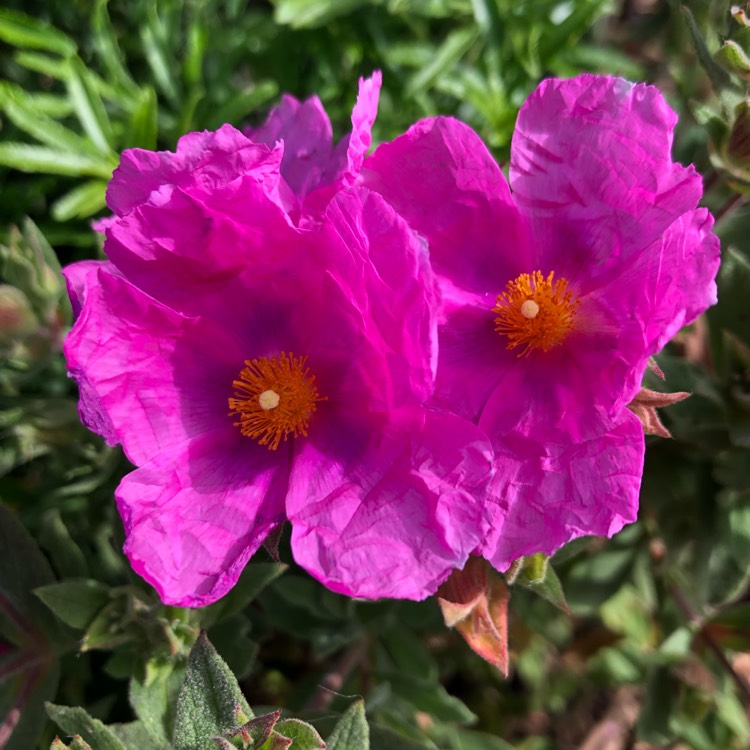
<point>648,646</point>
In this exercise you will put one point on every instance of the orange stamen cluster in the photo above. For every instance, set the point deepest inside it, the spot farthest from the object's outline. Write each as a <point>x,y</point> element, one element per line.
<point>274,398</point>
<point>535,312</point>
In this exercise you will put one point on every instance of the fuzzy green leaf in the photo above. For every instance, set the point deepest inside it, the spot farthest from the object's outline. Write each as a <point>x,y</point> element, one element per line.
<point>351,732</point>
<point>208,701</point>
<point>75,602</point>
<point>154,703</point>
<point>302,734</point>
<point>720,79</point>
<point>74,720</point>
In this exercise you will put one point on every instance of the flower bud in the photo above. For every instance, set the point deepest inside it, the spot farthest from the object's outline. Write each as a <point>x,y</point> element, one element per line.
<point>17,319</point>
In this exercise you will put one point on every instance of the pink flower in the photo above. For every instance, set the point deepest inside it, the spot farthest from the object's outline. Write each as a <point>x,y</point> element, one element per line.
<point>256,373</point>
<point>311,166</point>
<point>556,295</point>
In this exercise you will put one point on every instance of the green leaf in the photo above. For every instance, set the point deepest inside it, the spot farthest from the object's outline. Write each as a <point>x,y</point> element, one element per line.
<point>433,699</point>
<point>108,49</point>
<point>158,57</point>
<point>29,664</point>
<point>230,638</point>
<point>731,56</point>
<point>450,52</point>
<point>105,631</point>
<point>470,740</point>
<point>27,158</point>
<point>382,738</point>
<point>43,64</point>
<point>89,106</point>
<point>208,701</point>
<point>66,555</point>
<point>410,653</point>
<point>242,103</point>
<point>24,111</point>
<point>135,737</point>
<point>155,703</point>
<point>24,31</point>
<point>302,14</point>
<point>143,126</point>
<point>539,576</point>
<point>351,732</point>
<point>593,580</point>
<point>733,280</point>
<point>74,720</point>
<point>653,722</point>
<point>720,79</point>
<point>254,578</point>
<point>75,602</point>
<point>81,202</point>
<point>303,736</point>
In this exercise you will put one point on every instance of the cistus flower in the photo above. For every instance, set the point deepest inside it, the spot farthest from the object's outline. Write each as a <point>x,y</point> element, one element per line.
<point>558,293</point>
<point>256,373</point>
<point>311,166</point>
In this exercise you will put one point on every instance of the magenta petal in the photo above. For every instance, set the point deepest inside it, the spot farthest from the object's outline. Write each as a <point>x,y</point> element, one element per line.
<point>390,267</point>
<point>171,246</point>
<point>440,177</point>
<point>591,167</point>
<point>346,159</point>
<point>399,505</point>
<point>363,118</point>
<point>195,514</point>
<point>135,363</point>
<point>205,160</point>
<point>667,285</point>
<point>473,357</point>
<point>552,493</point>
<point>75,280</point>
<point>306,132</point>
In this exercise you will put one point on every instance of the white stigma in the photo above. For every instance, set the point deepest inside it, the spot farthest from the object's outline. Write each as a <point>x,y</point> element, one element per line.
<point>529,309</point>
<point>269,400</point>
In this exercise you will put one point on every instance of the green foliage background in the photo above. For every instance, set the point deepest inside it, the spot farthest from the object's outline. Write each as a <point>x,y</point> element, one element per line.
<point>655,643</point>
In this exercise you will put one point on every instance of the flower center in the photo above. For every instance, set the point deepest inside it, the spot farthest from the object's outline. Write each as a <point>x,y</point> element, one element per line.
<point>274,397</point>
<point>535,312</point>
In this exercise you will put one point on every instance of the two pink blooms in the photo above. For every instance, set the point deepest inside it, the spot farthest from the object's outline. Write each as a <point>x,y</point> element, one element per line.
<point>393,352</point>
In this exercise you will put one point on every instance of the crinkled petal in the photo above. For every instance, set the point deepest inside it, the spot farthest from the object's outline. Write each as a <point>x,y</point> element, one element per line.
<point>135,364</point>
<point>305,129</point>
<point>562,489</point>
<point>622,323</point>
<point>196,513</point>
<point>176,243</point>
<point>363,118</point>
<point>391,264</point>
<point>399,505</point>
<point>472,356</point>
<point>205,160</point>
<point>664,288</point>
<point>101,225</point>
<point>346,160</point>
<point>75,280</point>
<point>440,177</point>
<point>591,168</point>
